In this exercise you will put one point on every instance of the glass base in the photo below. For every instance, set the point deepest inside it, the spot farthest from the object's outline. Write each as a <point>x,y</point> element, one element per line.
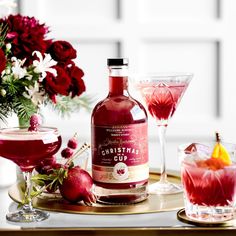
<point>164,188</point>
<point>27,216</point>
<point>209,214</point>
<point>120,196</point>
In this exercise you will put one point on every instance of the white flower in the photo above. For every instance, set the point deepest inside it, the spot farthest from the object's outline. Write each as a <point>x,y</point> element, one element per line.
<point>3,92</point>
<point>36,96</point>
<point>8,46</point>
<point>7,71</point>
<point>44,65</point>
<point>17,69</point>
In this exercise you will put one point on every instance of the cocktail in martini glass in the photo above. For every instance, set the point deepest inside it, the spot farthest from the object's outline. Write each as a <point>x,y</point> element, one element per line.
<point>27,149</point>
<point>162,94</point>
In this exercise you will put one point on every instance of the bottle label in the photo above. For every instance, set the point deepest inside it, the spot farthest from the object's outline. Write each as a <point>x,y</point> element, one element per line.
<point>120,153</point>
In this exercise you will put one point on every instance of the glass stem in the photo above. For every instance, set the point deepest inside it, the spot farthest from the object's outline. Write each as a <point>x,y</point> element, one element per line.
<point>28,201</point>
<point>162,136</point>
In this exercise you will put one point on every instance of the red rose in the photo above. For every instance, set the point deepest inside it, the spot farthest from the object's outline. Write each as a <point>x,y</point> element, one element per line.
<point>62,51</point>
<point>77,84</point>
<point>3,61</point>
<point>57,85</point>
<point>25,35</point>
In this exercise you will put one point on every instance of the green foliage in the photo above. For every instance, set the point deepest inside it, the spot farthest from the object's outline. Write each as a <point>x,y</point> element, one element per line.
<point>5,111</point>
<point>51,181</point>
<point>3,33</point>
<point>13,100</point>
<point>24,108</point>
<point>22,89</point>
<point>65,106</point>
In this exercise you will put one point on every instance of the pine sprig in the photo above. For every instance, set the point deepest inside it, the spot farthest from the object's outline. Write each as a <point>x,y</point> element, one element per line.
<point>55,177</point>
<point>5,111</point>
<point>5,108</point>
<point>3,33</point>
<point>24,108</point>
<point>50,181</point>
<point>65,106</point>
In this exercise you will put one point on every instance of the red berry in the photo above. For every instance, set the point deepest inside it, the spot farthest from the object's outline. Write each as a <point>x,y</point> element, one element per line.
<point>49,160</point>
<point>57,166</point>
<point>67,152</point>
<point>72,143</point>
<point>46,163</point>
<point>51,189</point>
<point>35,122</point>
<point>46,170</point>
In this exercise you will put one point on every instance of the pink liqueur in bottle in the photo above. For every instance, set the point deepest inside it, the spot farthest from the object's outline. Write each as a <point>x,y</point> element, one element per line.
<point>119,142</point>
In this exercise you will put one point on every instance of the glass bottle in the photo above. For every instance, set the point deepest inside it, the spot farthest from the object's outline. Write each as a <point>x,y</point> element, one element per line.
<point>119,142</point>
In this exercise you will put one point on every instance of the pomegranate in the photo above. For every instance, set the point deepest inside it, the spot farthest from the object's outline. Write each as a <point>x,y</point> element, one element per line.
<point>77,186</point>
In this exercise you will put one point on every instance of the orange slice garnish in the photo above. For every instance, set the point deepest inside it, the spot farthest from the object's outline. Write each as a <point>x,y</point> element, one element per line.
<point>220,152</point>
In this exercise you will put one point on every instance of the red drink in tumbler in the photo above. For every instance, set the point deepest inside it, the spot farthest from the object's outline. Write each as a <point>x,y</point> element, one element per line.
<point>209,184</point>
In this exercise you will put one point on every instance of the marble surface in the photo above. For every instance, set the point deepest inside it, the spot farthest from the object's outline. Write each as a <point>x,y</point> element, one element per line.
<point>64,220</point>
<point>60,224</point>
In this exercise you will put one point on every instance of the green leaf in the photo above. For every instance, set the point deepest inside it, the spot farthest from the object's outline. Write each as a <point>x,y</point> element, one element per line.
<point>39,182</point>
<point>66,106</point>
<point>24,108</point>
<point>40,177</point>
<point>20,205</point>
<point>3,33</point>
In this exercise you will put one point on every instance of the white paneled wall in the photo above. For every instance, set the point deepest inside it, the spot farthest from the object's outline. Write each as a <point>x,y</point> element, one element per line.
<point>181,56</point>
<point>154,10</point>
<point>196,36</point>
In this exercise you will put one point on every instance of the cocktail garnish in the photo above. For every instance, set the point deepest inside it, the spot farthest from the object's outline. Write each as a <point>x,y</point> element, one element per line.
<point>220,152</point>
<point>71,146</point>
<point>35,122</point>
<point>211,163</point>
<point>73,182</point>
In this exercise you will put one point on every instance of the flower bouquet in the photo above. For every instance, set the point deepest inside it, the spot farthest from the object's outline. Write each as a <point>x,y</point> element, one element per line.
<point>36,71</point>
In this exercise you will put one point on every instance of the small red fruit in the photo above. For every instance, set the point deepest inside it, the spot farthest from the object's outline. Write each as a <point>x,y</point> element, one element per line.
<point>72,143</point>
<point>46,162</point>
<point>44,170</point>
<point>49,160</point>
<point>67,152</point>
<point>57,166</point>
<point>35,122</point>
<point>77,186</point>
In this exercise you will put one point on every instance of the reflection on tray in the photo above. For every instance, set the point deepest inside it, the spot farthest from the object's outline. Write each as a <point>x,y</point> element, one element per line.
<point>154,203</point>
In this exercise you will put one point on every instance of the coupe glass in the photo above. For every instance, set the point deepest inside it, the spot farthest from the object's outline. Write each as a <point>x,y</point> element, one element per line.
<point>27,149</point>
<point>162,94</point>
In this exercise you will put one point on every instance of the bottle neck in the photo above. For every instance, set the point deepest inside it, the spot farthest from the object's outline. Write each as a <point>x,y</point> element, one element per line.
<point>118,80</point>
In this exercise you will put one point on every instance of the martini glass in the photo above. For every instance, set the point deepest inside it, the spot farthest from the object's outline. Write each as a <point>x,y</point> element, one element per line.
<point>162,94</point>
<point>27,149</point>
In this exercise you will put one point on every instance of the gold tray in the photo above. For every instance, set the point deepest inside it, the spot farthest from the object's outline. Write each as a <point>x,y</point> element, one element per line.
<point>181,215</point>
<point>154,203</point>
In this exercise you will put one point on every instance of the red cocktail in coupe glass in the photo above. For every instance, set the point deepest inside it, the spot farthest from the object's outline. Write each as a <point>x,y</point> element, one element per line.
<point>27,149</point>
<point>162,94</point>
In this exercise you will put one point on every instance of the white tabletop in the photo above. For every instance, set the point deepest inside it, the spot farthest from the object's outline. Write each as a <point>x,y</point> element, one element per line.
<point>161,221</point>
